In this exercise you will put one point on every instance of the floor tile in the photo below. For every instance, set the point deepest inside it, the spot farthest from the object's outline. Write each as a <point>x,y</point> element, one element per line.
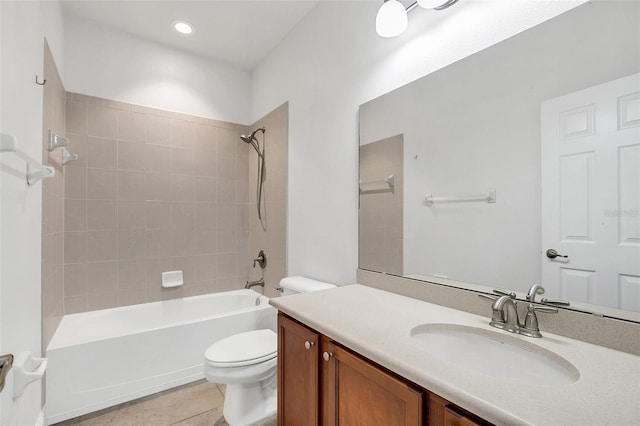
<point>196,404</point>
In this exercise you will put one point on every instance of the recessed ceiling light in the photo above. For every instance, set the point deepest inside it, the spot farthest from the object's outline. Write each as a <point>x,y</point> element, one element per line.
<point>183,27</point>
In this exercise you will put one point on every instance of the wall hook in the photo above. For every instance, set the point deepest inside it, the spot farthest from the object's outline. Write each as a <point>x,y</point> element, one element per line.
<point>44,81</point>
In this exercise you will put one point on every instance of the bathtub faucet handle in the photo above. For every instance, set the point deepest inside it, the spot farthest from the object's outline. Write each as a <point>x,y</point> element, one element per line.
<point>261,259</point>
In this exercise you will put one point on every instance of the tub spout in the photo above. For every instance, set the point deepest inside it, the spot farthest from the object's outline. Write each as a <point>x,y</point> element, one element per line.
<point>259,282</point>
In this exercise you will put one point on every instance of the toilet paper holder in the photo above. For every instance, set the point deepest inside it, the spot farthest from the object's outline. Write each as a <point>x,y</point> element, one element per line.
<point>27,369</point>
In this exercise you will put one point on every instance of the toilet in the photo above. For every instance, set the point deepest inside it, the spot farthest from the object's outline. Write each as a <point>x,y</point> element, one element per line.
<point>247,364</point>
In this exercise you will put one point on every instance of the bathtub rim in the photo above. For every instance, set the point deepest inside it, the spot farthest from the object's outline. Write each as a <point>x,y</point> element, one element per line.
<point>54,345</point>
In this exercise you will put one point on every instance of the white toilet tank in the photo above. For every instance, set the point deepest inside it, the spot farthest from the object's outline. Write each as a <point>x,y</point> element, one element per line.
<point>293,285</point>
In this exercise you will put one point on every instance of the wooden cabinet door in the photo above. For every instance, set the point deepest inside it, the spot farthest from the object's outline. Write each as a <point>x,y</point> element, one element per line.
<point>298,374</point>
<point>443,413</point>
<point>357,392</point>
<point>453,418</point>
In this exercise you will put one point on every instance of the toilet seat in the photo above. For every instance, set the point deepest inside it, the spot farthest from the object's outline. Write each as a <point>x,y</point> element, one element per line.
<point>244,349</point>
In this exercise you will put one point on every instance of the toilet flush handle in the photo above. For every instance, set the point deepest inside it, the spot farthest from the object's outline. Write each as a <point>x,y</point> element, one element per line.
<point>308,345</point>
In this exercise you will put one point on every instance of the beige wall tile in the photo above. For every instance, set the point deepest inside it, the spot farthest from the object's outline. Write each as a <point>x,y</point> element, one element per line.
<point>158,187</point>
<point>102,153</point>
<point>183,242</point>
<point>101,184</point>
<point>75,215</point>
<point>183,134</point>
<point>143,224</point>
<point>132,126</point>
<point>206,216</point>
<point>101,215</point>
<point>158,243</point>
<point>227,240</point>
<point>183,188</point>
<point>75,247</point>
<point>188,267</point>
<point>158,130</point>
<point>206,189</point>
<point>227,265</point>
<point>206,164</point>
<point>103,277</point>
<point>75,276</point>
<point>206,241</point>
<point>131,186</point>
<point>183,161</point>
<point>205,138</point>
<point>76,117</point>
<point>198,289</point>
<point>131,215</point>
<point>183,216</point>
<point>226,192</point>
<point>75,183</point>
<point>77,145</point>
<point>227,217</point>
<point>158,158</point>
<point>132,244</point>
<point>206,267</point>
<point>131,156</point>
<point>102,121</point>
<point>132,274</point>
<point>227,167</point>
<point>102,246</point>
<point>102,301</point>
<point>132,297</point>
<point>227,142</point>
<point>155,268</point>
<point>75,304</point>
<point>158,215</point>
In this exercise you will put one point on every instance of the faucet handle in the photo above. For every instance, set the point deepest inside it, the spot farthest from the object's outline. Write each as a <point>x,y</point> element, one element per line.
<point>534,308</point>
<point>488,296</point>
<point>511,294</point>
<point>556,302</point>
<point>531,327</point>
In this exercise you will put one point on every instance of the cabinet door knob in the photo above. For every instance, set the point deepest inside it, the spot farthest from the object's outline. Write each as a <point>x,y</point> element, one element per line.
<point>327,356</point>
<point>308,344</point>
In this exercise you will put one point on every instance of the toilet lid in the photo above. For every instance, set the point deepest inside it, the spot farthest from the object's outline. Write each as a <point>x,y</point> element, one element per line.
<point>242,349</point>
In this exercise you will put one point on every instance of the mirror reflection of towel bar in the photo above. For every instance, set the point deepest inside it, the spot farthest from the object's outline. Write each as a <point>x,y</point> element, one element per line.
<point>488,197</point>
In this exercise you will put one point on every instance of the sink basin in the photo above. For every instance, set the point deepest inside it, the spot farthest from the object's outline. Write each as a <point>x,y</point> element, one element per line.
<point>494,354</point>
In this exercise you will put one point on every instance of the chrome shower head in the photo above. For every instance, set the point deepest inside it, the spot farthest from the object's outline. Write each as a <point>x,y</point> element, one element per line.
<point>251,140</point>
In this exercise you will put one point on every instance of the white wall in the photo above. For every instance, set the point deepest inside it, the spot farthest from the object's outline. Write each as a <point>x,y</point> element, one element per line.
<point>23,28</point>
<point>330,64</point>
<point>109,64</point>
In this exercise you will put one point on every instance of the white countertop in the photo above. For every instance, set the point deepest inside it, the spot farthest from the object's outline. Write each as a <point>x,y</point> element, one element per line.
<point>377,324</point>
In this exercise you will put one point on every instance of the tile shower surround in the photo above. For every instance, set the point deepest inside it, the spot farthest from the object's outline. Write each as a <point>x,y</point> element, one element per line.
<point>52,262</point>
<point>152,191</point>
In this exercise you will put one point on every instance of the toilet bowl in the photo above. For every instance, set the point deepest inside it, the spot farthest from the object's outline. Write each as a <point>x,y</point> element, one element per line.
<point>247,364</point>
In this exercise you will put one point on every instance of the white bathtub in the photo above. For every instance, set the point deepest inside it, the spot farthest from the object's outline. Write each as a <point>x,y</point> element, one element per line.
<point>102,358</point>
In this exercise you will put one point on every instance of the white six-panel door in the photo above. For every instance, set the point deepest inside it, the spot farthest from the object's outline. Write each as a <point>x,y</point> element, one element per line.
<point>591,194</point>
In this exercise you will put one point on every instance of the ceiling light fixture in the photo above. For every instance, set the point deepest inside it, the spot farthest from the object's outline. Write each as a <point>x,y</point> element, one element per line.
<point>183,27</point>
<point>392,18</point>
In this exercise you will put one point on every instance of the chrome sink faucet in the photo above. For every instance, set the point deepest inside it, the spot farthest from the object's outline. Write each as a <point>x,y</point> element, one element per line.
<point>505,312</point>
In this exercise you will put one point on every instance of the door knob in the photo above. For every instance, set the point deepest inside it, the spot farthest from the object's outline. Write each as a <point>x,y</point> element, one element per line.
<point>327,356</point>
<point>308,345</point>
<point>552,254</point>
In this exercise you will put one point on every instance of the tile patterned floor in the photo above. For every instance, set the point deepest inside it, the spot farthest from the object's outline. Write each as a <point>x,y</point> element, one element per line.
<point>196,404</point>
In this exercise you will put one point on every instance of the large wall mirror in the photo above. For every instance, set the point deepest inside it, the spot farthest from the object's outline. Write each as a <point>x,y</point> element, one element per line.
<point>471,174</point>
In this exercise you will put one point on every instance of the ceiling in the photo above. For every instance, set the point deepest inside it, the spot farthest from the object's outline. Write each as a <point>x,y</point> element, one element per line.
<point>237,32</point>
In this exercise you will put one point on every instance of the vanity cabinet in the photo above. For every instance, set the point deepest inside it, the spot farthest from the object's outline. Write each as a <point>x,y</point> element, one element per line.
<point>298,378</point>
<point>322,382</point>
